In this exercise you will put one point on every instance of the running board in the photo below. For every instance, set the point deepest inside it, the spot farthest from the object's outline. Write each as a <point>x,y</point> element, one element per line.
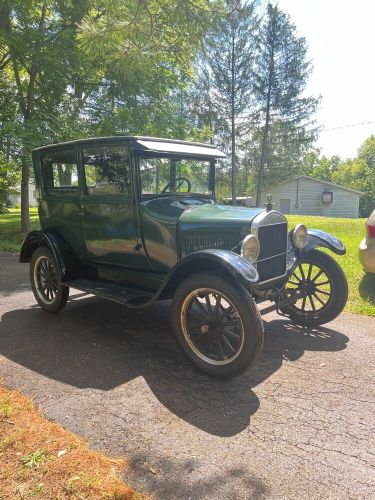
<point>111,291</point>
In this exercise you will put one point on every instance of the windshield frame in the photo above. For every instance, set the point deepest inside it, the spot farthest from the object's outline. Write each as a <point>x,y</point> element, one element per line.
<point>139,155</point>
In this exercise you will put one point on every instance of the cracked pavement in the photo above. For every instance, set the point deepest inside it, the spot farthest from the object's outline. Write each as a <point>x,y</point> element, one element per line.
<point>302,425</point>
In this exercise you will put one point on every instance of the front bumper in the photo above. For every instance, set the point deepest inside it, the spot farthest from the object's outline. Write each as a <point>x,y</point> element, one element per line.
<point>366,254</point>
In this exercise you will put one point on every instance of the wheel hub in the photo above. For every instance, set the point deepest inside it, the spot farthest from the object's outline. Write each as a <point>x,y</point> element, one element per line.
<point>307,287</point>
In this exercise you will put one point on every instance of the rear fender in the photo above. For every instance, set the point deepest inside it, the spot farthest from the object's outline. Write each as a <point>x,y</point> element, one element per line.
<point>221,262</point>
<point>63,254</point>
<point>317,238</point>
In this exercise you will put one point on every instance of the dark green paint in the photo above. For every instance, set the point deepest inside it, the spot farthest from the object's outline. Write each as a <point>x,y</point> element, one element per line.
<point>138,243</point>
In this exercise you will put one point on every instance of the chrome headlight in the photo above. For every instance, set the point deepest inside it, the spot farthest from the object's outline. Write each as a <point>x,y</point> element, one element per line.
<point>250,248</point>
<point>300,236</point>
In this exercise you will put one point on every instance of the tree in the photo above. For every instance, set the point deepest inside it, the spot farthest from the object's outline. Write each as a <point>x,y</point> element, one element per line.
<point>9,177</point>
<point>37,43</point>
<point>359,173</point>
<point>227,63</point>
<point>280,77</point>
<point>320,167</point>
<point>145,51</point>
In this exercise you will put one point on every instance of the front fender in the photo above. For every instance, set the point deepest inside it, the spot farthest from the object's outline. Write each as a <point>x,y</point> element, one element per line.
<point>317,238</point>
<point>221,262</point>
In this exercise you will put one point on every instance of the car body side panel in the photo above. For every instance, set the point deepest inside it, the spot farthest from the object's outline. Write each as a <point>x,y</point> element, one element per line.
<point>367,254</point>
<point>159,227</point>
<point>366,250</point>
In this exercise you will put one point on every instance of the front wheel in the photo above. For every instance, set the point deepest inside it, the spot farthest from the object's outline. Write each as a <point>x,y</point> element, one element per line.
<point>323,290</point>
<point>217,325</point>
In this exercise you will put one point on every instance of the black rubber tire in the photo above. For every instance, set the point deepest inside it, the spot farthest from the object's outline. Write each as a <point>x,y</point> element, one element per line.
<point>62,294</point>
<point>339,292</point>
<point>249,314</point>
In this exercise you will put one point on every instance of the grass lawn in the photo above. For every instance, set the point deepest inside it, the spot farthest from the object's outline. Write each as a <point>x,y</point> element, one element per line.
<point>350,231</point>
<point>11,237</point>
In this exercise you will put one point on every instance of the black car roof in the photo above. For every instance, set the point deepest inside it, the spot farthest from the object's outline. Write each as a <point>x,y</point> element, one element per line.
<point>147,144</point>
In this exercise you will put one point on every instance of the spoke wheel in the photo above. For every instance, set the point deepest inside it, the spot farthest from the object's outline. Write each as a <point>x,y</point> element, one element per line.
<point>212,326</point>
<point>48,290</point>
<point>46,280</point>
<point>314,285</point>
<point>322,288</point>
<point>217,324</point>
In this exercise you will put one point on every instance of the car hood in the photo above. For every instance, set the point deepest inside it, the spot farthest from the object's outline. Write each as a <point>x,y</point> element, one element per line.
<point>218,218</point>
<point>214,226</point>
<point>174,226</point>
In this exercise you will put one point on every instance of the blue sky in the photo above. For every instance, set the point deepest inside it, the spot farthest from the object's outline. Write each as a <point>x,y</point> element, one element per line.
<point>341,38</point>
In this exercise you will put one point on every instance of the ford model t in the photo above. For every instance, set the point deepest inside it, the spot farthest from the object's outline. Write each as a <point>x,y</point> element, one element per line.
<point>134,220</point>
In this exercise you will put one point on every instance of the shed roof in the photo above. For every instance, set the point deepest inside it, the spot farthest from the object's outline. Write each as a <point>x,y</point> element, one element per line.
<point>320,182</point>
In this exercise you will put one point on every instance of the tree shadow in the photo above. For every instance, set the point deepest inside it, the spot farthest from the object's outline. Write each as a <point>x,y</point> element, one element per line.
<point>171,479</point>
<point>367,287</point>
<point>98,344</point>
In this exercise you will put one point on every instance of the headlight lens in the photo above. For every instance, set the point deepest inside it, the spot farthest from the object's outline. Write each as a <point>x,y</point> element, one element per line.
<point>300,236</point>
<point>250,248</point>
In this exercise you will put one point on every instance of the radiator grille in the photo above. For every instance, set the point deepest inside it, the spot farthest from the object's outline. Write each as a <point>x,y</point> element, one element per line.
<point>273,242</point>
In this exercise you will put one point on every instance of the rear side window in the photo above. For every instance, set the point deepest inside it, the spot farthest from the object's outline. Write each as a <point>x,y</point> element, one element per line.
<point>60,171</point>
<point>107,170</point>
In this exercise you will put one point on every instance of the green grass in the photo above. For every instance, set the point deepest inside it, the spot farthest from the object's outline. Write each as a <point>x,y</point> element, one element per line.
<point>11,237</point>
<point>350,231</point>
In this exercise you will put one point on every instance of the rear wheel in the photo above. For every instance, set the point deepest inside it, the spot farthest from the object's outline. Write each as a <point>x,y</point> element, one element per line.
<point>50,294</point>
<point>217,325</point>
<point>323,290</point>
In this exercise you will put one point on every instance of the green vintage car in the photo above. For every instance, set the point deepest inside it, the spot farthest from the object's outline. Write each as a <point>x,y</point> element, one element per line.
<point>134,220</point>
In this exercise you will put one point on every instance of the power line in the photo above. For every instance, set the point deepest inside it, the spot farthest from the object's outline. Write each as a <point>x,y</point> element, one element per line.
<point>346,126</point>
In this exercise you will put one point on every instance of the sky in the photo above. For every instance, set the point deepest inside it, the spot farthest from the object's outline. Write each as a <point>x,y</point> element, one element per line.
<point>341,46</point>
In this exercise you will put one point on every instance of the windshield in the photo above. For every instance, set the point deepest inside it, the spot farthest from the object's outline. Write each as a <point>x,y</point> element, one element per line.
<point>171,175</point>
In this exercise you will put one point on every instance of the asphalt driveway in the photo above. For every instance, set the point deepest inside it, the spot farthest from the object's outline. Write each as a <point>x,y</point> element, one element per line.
<point>301,426</point>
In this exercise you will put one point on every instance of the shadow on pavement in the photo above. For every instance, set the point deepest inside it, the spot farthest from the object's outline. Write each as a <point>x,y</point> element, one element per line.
<point>183,478</point>
<point>101,345</point>
<point>367,287</point>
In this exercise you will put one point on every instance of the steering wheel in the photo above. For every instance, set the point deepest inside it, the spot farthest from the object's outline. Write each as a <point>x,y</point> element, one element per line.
<point>179,181</point>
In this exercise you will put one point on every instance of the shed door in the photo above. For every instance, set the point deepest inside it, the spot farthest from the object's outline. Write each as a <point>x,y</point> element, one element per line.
<point>109,220</point>
<point>285,206</point>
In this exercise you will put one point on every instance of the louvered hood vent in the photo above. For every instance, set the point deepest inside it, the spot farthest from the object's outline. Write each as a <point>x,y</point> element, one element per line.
<point>193,241</point>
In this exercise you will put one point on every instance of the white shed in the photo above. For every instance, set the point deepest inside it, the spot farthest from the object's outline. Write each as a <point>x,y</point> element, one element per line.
<point>308,196</point>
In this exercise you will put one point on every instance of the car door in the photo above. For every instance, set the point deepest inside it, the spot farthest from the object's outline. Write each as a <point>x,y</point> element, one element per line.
<point>59,205</point>
<point>108,209</point>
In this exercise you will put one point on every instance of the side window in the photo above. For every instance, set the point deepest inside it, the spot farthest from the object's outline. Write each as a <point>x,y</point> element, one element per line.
<point>60,172</point>
<point>107,170</point>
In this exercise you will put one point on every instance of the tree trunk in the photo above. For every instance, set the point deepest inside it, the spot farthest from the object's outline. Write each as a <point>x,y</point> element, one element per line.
<point>25,215</point>
<point>262,160</point>
<point>233,131</point>
<point>265,134</point>
<point>26,103</point>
